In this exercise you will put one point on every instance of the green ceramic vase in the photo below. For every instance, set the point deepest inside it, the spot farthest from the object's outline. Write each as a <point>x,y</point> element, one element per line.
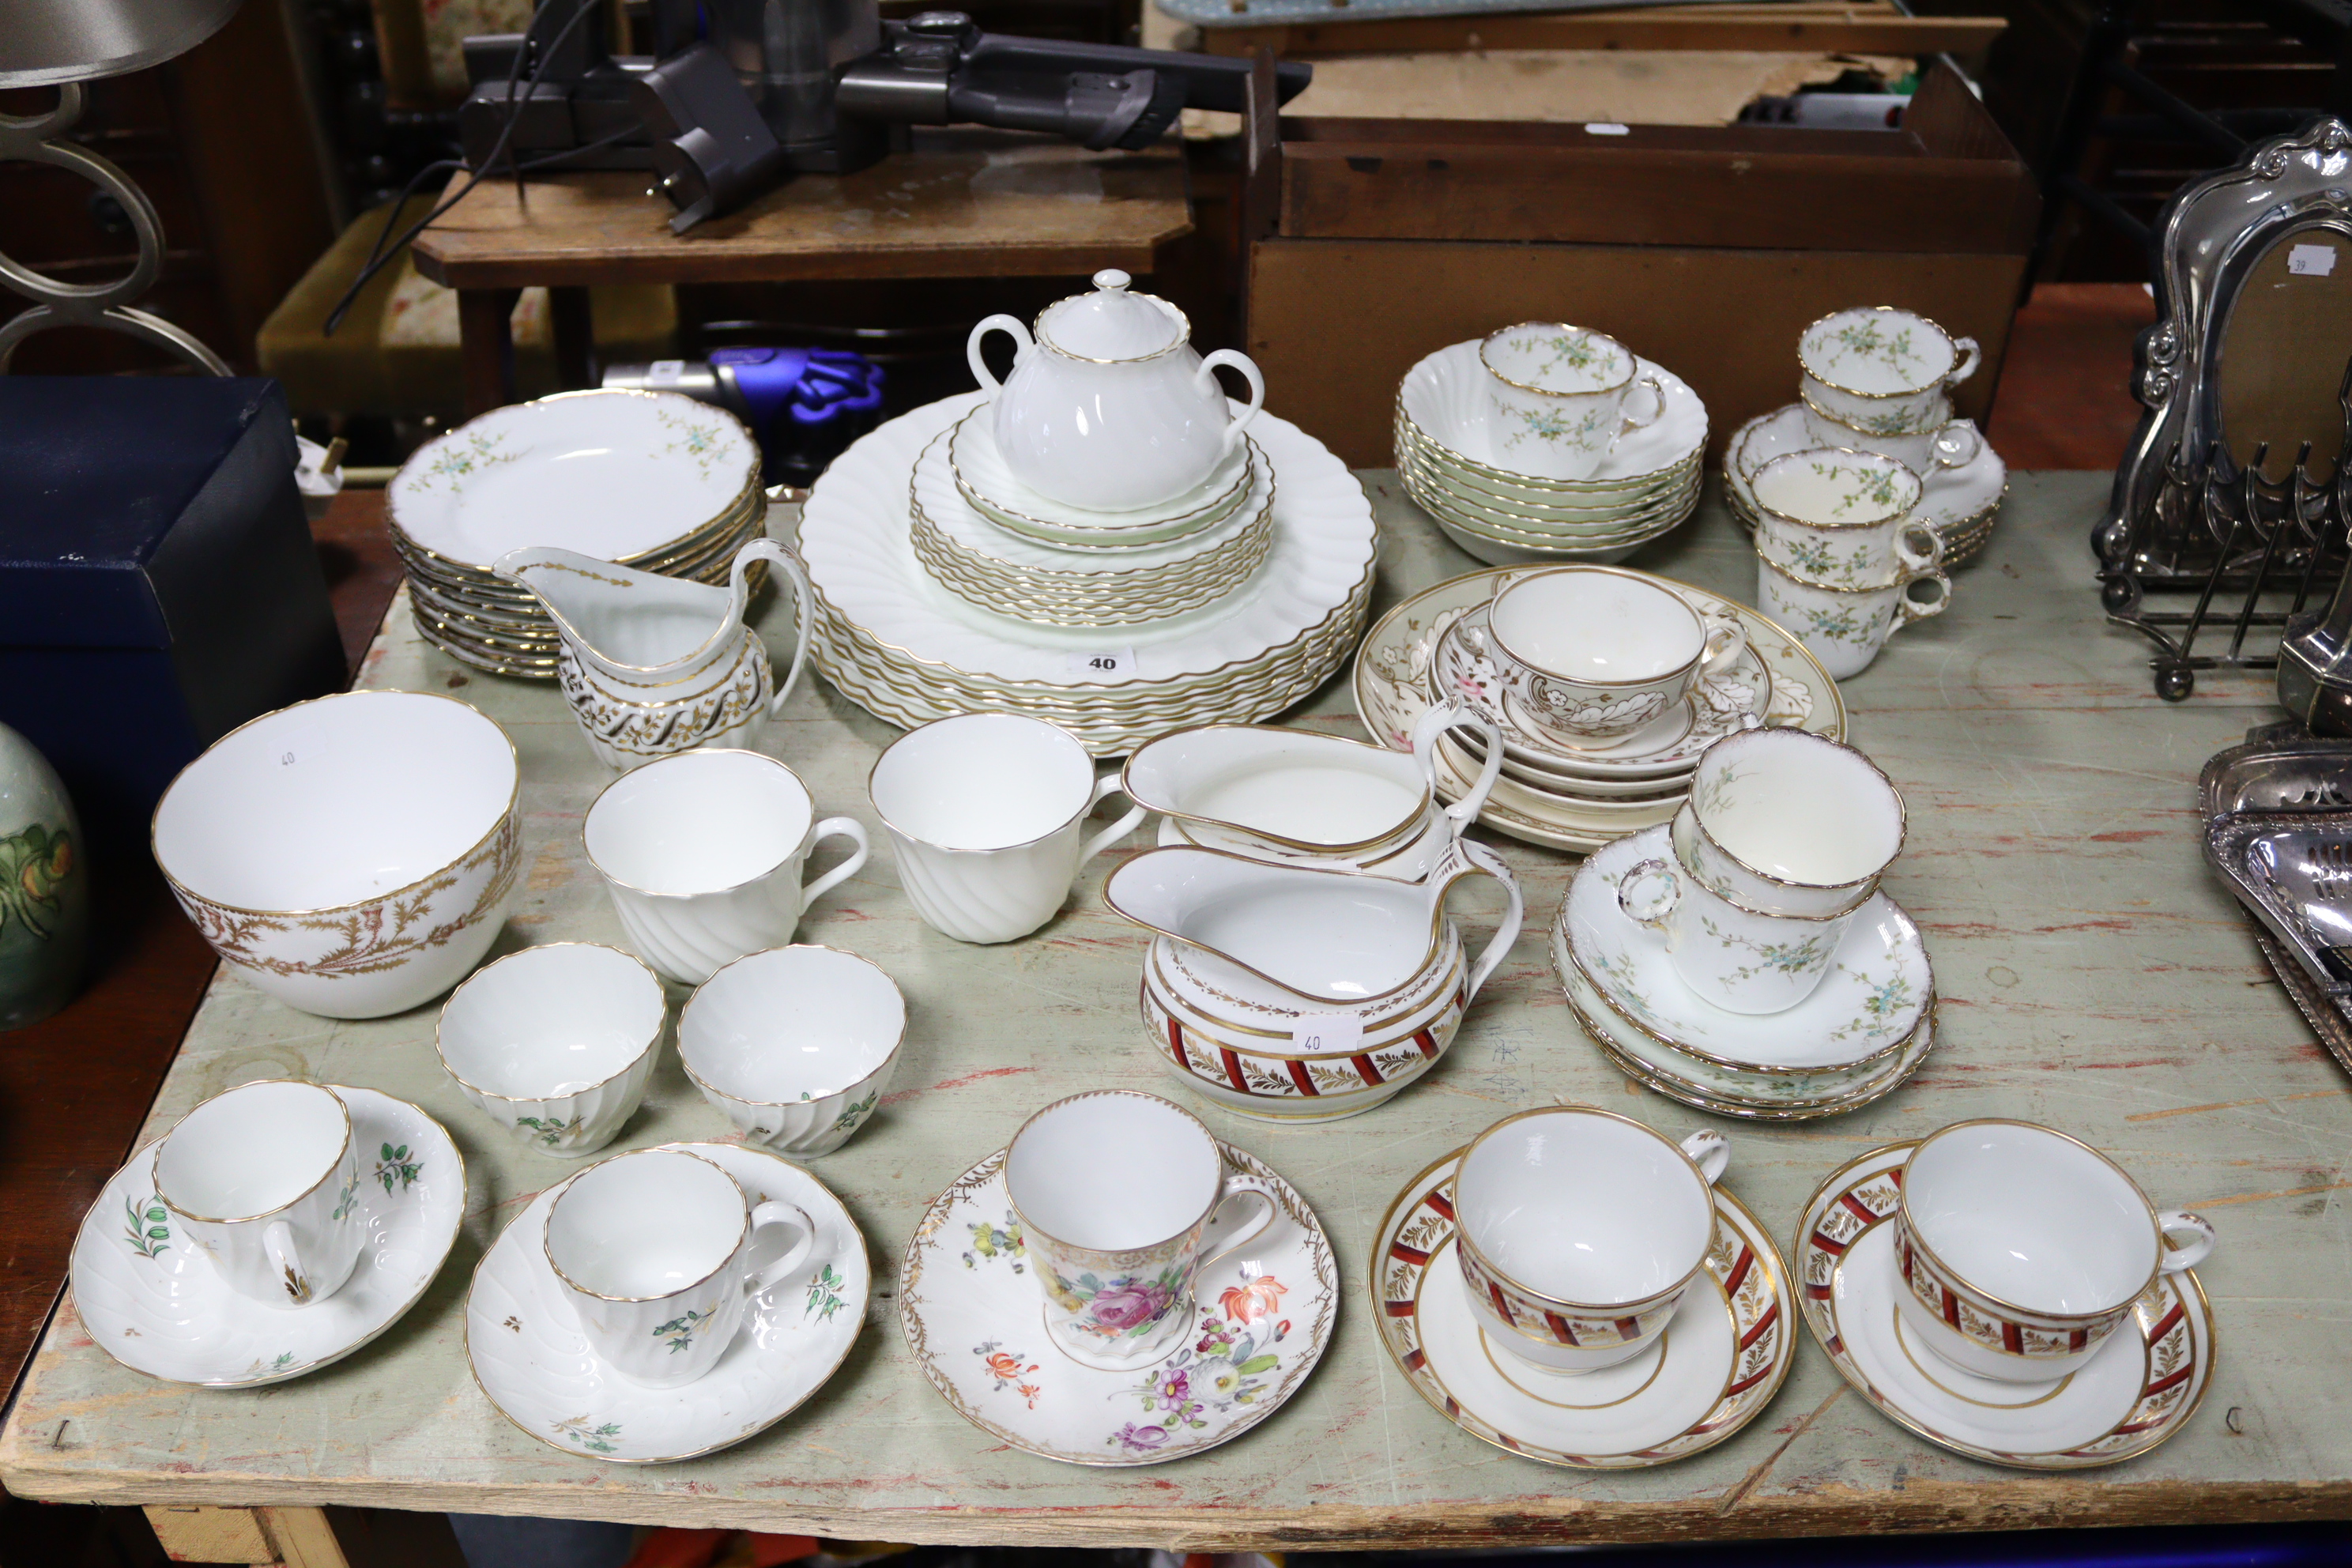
<point>43,888</point>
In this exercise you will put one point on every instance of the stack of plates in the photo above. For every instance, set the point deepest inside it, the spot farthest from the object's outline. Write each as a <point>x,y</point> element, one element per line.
<point>648,479</point>
<point>1115,581</point>
<point>1958,502</point>
<point>908,648</point>
<point>1648,484</point>
<point>1859,1037</point>
<point>990,485</point>
<point>1551,795</point>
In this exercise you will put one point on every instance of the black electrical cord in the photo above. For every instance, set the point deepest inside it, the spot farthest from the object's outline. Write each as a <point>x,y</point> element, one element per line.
<point>379,257</point>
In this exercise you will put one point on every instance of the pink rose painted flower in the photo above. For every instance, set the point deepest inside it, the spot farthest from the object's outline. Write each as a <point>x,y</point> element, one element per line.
<point>1128,1304</point>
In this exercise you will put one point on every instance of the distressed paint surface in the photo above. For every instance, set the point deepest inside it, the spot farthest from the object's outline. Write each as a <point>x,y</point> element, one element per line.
<point>2094,976</point>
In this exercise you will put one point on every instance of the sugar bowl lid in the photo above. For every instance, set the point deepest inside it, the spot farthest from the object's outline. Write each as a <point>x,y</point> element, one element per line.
<point>1111,324</point>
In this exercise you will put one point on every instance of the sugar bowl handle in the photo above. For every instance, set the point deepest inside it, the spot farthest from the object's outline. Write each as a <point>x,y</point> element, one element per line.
<point>980,371</point>
<point>2188,1254</point>
<point>1652,911</point>
<point>1207,377</point>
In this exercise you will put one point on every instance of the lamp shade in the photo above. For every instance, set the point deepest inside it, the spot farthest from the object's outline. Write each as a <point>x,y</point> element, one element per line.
<point>45,43</point>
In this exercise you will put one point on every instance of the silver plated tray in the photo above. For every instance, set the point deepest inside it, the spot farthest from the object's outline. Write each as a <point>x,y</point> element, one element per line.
<point>2293,870</point>
<point>2268,775</point>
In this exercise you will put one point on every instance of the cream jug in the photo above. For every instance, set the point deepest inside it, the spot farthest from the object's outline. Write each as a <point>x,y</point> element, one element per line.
<point>654,665</point>
<point>1109,408</point>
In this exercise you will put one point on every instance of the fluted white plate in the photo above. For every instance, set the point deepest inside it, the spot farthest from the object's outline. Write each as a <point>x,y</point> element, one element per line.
<point>532,1362</point>
<point>148,1300</point>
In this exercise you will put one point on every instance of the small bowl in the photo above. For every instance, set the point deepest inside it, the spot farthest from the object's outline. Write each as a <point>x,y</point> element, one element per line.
<point>352,856</point>
<point>795,1045</point>
<point>556,1043</point>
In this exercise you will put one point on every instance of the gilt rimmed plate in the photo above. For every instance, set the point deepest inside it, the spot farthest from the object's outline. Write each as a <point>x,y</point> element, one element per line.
<point>147,1299</point>
<point>975,1319</point>
<point>987,483</point>
<point>2136,1393</point>
<point>532,1363</point>
<point>1722,1359</point>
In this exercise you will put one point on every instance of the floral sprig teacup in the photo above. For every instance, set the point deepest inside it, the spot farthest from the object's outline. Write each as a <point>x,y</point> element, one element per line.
<point>1559,394</point>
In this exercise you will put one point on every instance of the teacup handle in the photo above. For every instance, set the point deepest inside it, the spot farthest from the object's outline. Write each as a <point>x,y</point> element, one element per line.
<point>1909,609</point>
<point>1109,784</point>
<point>848,827</point>
<point>996,324</point>
<point>278,1245</point>
<point>777,556</point>
<point>1237,1184</point>
<point>1460,858</point>
<point>1436,723</point>
<point>1969,356</point>
<point>777,1212</point>
<point>1659,907</point>
<point>1959,433</point>
<point>1916,558</point>
<point>1207,378</point>
<point>1727,639</point>
<point>1657,392</point>
<point>1710,1151</point>
<point>2190,1253</point>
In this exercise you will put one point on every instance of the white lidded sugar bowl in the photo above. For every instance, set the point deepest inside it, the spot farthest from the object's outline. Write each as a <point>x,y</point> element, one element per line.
<point>1108,407</point>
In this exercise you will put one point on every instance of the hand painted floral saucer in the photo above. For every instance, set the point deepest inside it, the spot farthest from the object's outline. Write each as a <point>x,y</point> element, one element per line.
<point>152,1304</point>
<point>976,1321</point>
<point>1720,1361</point>
<point>2139,1390</point>
<point>532,1362</point>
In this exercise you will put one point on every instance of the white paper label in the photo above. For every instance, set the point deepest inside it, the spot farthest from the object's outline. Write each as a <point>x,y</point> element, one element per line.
<point>2311,260</point>
<point>1606,128</point>
<point>1340,1034</point>
<point>664,373</point>
<point>1104,665</point>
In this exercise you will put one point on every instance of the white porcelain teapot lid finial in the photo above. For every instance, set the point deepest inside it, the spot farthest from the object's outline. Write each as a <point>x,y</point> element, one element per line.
<point>1111,323</point>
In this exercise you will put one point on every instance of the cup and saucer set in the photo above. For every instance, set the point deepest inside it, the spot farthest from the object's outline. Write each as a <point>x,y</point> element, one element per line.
<point>1547,442</point>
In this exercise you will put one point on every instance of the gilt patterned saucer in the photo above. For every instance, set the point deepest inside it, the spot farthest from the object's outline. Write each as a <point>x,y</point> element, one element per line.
<point>1722,1358</point>
<point>534,1364</point>
<point>2136,1392</point>
<point>975,1319</point>
<point>152,1303</point>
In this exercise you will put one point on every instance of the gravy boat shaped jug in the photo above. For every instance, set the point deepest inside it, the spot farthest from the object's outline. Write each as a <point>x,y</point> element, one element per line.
<point>654,665</point>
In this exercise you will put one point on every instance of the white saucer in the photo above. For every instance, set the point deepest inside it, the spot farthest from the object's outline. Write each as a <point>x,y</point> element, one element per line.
<point>1445,397</point>
<point>989,483</point>
<point>152,1304</point>
<point>975,1319</point>
<point>1951,498</point>
<point>1722,1359</point>
<point>1878,984</point>
<point>534,1364</point>
<point>2136,1392</point>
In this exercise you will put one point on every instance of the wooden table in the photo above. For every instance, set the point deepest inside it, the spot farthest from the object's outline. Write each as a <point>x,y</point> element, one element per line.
<point>2092,974</point>
<point>965,203</point>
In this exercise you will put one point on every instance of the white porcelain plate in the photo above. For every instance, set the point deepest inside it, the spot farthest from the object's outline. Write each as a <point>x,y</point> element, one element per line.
<point>532,1360</point>
<point>1721,1360</point>
<point>1949,497</point>
<point>989,486</point>
<point>975,1319</point>
<point>1445,396</point>
<point>2139,1390</point>
<point>152,1304</point>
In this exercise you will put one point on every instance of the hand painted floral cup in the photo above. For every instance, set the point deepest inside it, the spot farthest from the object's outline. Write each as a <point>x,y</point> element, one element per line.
<point>1121,1197</point>
<point>651,1248</point>
<point>1560,394</point>
<point>1739,959</point>
<point>1785,823</point>
<point>795,1046</point>
<point>1881,370</point>
<point>987,813</point>
<point>2021,1250</point>
<point>1954,445</point>
<point>1842,519</point>
<point>1589,654</point>
<point>1845,628</point>
<point>1579,1229</point>
<point>264,1180</point>
<point>702,852</point>
<point>556,1043</point>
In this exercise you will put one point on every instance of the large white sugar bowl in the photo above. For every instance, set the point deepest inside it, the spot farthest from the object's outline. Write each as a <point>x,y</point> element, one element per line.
<point>1108,407</point>
<point>352,856</point>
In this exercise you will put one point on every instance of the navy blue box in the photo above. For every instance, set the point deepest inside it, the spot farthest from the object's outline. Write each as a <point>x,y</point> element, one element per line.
<point>157,583</point>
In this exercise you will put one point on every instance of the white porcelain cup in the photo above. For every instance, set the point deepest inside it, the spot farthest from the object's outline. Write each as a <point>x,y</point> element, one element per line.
<point>1739,959</point>
<point>702,852</point>
<point>264,1180</point>
<point>1579,1229</point>
<point>796,1046</point>
<point>1952,445</point>
<point>1842,519</point>
<point>1885,371</point>
<point>1845,628</point>
<point>651,1249</point>
<point>556,1043</point>
<point>1559,396</point>
<point>987,813</point>
<point>1121,1197</point>
<point>1591,654</point>
<point>1786,822</point>
<point>2021,1250</point>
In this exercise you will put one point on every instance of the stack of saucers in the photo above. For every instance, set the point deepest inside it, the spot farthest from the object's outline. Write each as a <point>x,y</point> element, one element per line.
<point>647,480</point>
<point>1446,454</point>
